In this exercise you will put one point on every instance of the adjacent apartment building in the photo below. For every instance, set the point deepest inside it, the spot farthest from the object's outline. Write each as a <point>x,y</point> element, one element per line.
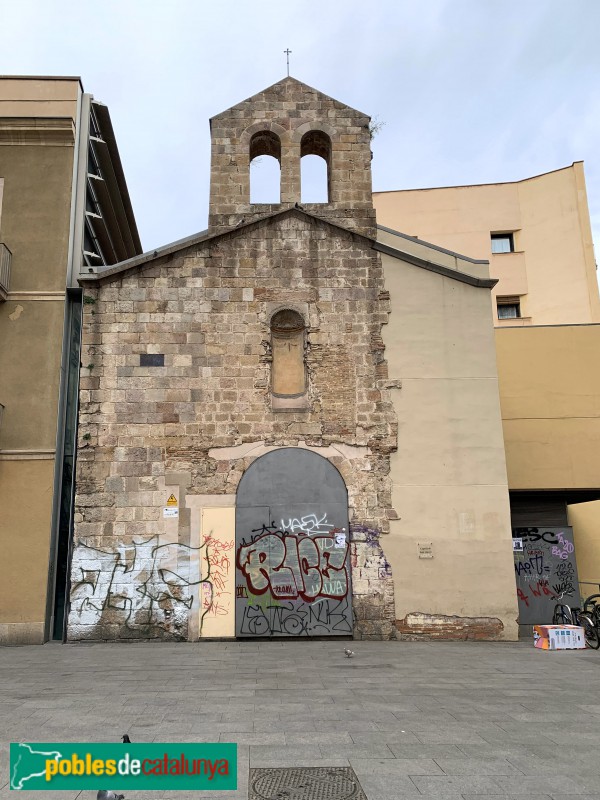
<point>535,233</point>
<point>64,210</point>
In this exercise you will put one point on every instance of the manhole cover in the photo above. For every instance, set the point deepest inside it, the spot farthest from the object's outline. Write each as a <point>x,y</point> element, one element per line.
<point>305,783</point>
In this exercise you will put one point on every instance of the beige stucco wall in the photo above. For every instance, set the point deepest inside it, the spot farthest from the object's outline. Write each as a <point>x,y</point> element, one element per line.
<point>35,226</point>
<point>26,502</point>
<point>553,268</point>
<point>449,475</point>
<point>35,214</point>
<point>39,97</point>
<point>36,163</point>
<point>550,398</point>
<point>585,519</point>
<point>31,336</point>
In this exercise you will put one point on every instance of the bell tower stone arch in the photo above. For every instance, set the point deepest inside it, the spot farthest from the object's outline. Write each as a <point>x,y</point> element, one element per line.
<point>302,120</point>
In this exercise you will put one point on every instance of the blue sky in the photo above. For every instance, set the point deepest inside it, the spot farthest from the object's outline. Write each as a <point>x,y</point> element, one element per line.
<point>470,91</point>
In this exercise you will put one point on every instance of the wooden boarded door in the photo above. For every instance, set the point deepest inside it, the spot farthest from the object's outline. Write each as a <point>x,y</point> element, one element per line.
<point>292,548</point>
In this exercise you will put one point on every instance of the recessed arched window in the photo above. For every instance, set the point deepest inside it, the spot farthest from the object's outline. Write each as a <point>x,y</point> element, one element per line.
<point>315,167</point>
<point>288,373</point>
<point>265,168</point>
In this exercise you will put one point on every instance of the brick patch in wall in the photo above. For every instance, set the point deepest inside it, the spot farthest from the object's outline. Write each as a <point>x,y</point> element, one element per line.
<point>417,625</point>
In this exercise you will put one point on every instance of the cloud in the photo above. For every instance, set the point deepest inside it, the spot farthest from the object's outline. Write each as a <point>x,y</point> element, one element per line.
<point>470,91</point>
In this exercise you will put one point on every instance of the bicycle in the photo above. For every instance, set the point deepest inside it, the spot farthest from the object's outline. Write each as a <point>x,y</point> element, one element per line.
<point>565,615</point>
<point>591,605</point>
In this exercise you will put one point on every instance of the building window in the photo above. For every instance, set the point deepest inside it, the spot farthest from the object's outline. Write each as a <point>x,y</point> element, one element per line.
<point>503,243</point>
<point>288,373</point>
<point>509,308</point>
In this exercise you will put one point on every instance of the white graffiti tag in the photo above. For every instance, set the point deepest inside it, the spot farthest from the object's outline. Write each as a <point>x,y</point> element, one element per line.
<point>146,585</point>
<point>310,524</point>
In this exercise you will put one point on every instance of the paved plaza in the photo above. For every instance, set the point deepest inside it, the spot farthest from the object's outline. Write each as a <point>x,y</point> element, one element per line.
<point>413,719</point>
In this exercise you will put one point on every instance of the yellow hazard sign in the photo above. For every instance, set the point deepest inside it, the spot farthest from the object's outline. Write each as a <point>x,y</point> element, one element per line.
<point>172,501</point>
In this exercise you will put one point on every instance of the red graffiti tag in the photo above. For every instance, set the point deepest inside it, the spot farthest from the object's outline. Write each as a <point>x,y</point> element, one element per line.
<point>522,596</point>
<point>290,566</point>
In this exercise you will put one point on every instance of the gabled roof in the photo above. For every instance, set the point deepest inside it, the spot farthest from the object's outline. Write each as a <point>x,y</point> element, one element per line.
<point>276,90</point>
<point>116,270</point>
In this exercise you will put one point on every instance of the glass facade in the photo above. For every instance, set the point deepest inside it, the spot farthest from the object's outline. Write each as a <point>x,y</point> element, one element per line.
<point>67,487</point>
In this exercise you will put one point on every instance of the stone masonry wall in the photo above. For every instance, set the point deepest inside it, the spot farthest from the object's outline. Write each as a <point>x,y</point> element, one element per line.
<point>206,310</point>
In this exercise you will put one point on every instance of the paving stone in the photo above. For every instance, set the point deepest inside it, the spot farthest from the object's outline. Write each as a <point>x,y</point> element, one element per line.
<point>285,756</point>
<point>453,737</point>
<point>395,766</point>
<point>388,787</point>
<point>353,726</point>
<point>282,723</point>
<point>251,738</point>
<point>547,782</point>
<point>503,750</point>
<point>571,765</point>
<point>399,738</point>
<point>575,796</point>
<point>477,766</point>
<point>318,737</point>
<point>513,796</point>
<point>446,784</point>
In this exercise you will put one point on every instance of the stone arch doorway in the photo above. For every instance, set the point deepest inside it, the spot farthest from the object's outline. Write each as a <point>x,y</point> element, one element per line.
<point>292,548</point>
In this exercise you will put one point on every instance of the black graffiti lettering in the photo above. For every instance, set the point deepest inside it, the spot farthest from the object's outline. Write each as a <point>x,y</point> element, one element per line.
<point>288,619</point>
<point>272,528</point>
<point>564,569</point>
<point>535,535</point>
<point>564,587</point>
<point>533,566</point>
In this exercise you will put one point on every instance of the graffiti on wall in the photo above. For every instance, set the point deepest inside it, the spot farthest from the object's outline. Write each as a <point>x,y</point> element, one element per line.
<point>276,618</point>
<point>147,589</point>
<point>216,597</point>
<point>545,570</point>
<point>293,565</point>
<point>293,578</point>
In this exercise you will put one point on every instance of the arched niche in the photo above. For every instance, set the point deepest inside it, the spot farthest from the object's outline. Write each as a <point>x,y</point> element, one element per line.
<point>288,371</point>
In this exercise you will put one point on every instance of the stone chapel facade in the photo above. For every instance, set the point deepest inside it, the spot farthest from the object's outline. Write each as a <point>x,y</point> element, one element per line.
<point>254,346</point>
<point>240,470</point>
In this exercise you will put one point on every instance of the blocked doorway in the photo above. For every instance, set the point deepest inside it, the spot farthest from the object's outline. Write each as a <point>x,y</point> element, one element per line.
<point>292,548</point>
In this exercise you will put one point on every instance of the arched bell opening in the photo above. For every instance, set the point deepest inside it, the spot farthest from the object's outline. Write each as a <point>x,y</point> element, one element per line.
<point>315,167</point>
<point>265,168</point>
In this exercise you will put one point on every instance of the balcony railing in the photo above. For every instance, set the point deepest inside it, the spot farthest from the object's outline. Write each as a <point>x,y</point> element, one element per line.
<point>5,259</point>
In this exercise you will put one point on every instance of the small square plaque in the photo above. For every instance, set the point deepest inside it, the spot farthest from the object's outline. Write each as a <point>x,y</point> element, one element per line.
<point>425,549</point>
